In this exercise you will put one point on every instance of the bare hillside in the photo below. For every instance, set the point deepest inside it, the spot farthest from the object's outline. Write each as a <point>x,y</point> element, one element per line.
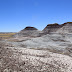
<point>31,50</point>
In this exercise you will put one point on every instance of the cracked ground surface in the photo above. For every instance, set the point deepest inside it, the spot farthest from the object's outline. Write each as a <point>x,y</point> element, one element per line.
<point>29,60</point>
<point>15,57</point>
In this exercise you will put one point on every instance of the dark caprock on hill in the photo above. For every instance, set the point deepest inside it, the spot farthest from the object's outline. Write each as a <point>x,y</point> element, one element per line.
<point>50,28</point>
<point>29,31</point>
<point>57,28</point>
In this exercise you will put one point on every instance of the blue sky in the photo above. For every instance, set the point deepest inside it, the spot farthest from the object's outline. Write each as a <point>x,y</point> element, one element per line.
<point>15,15</point>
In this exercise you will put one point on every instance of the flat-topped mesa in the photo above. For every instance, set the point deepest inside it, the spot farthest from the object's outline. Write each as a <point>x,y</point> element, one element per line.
<point>51,28</point>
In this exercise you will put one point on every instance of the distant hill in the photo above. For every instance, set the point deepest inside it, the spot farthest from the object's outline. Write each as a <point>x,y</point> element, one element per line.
<point>57,28</point>
<point>50,28</point>
<point>28,31</point>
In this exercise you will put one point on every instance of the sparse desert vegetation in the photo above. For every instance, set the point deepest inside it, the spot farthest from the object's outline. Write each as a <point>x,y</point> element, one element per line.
<point>6,35</point>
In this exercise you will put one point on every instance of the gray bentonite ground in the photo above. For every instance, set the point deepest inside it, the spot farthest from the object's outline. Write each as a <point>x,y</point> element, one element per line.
<point>49,53</point>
